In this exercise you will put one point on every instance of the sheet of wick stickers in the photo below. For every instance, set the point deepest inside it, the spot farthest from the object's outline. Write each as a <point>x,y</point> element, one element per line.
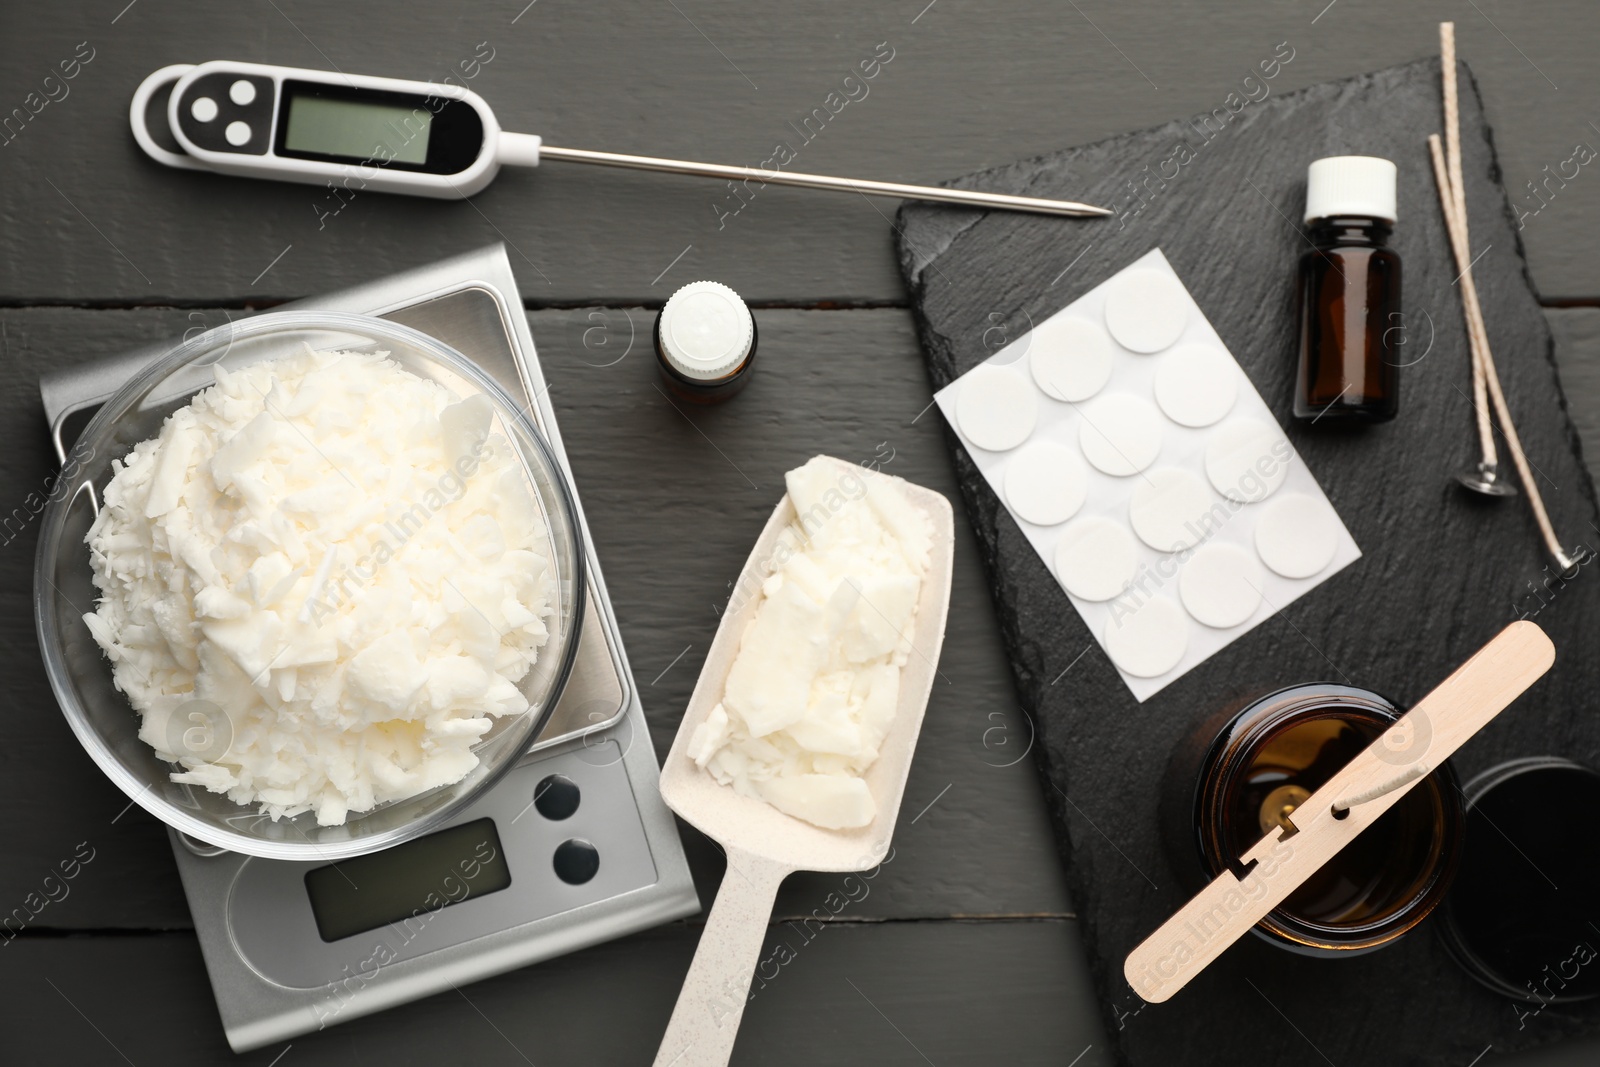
<point>1148,473</point>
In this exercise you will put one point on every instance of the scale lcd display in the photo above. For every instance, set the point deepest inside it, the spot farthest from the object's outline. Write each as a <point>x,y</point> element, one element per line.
<point>358,129</point>
<point>409,881</point>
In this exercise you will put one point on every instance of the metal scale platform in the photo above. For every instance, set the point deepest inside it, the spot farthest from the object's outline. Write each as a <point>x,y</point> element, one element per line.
<point>596,857</point>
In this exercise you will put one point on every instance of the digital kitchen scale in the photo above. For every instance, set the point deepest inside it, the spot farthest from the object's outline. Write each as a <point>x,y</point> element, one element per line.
<point>573,847</point>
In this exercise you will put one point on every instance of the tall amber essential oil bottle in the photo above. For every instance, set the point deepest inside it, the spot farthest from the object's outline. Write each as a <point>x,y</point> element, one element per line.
<point>1351,327</point>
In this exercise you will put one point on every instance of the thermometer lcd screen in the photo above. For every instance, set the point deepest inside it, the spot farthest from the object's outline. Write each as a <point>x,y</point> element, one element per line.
<point>357,130</point>
<point>407,883</point>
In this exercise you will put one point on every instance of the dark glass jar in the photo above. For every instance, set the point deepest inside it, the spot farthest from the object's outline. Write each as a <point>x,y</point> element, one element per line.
<point>1351,327</point>
<point>705,343</point>
<point>1350,323</point>
<point>1520,918</point>
<point>1237,778</point>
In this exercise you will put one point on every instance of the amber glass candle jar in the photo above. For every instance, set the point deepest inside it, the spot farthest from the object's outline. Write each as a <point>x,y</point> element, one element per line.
<point>1241,780</point>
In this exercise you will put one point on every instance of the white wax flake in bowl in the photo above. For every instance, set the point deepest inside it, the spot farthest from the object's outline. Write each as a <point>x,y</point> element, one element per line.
<point>1143,467</point>
<point>813,688</point>
<point>342,558</point>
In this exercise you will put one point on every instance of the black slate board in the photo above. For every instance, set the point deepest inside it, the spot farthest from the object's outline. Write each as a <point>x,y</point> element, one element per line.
<point>1441,572</point>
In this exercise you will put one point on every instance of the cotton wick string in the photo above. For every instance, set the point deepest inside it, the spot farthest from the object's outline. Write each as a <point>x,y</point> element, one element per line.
<point>1367,796</point>
<point>1452,133</point>
<point>1452,200</point>
<point>1478,337</point>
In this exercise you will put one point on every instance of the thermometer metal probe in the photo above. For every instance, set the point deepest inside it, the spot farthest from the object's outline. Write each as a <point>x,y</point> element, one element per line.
<point>967,197</point>
<point>425,139</point>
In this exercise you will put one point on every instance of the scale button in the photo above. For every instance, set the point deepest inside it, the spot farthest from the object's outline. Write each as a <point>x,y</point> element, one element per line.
<point>242,92</point>
<point>576,861</point>
<point>556,797</point>
<point>204,109</point>
<point>237,133</point>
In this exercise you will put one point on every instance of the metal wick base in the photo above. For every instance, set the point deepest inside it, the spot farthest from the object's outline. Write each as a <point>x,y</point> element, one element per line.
<point>1570,565</point>
<point>1485,479</point>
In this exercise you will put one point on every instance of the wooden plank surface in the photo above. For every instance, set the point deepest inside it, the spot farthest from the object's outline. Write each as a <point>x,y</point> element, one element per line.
<point>988,852</point>
<point>89,219</point>
<point>847,382</point>
<point>872,993</point>
<point>85,220</point>
<point>1577,336</point>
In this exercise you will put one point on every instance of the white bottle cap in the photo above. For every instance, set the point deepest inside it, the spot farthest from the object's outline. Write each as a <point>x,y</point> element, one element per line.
<point>706,331</point>
<point>1350,185</point>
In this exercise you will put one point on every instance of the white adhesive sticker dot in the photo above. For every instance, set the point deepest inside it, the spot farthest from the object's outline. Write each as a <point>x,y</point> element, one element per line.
<point>1070,357</point>
<point>1149,641</point>
<point>1146,310</point>
<point>1247,460</point>
<point>1096,559</point>
<point>1220,585</point>
<point>1171,509</point>
<point>1297,535</point>
<point>1120,434</point>
<point>1045,483</point>
<point>996,409</point>
<point>1196,385</point>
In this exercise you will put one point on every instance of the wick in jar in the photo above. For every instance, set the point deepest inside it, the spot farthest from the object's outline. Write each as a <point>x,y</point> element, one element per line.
<point>1370,876</point>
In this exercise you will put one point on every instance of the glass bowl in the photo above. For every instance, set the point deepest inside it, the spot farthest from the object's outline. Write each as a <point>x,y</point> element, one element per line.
<point>101,716</point>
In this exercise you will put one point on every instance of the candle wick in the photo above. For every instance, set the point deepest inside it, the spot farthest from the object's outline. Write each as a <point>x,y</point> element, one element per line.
<point>1343,807</point>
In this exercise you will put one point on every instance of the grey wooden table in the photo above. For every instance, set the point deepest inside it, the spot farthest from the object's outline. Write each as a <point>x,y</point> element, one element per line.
<point>965,949</point>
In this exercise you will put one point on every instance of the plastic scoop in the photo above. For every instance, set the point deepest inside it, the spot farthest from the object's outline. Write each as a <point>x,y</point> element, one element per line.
<point>1342,808</point>
<point>763,844</point>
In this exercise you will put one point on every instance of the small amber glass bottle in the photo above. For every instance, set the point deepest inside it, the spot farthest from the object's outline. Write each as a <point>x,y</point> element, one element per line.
<point>1350,320</point>
<point>705,341</point>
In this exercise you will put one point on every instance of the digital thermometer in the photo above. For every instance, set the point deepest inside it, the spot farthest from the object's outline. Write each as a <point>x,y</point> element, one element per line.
<point>422,138</point>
